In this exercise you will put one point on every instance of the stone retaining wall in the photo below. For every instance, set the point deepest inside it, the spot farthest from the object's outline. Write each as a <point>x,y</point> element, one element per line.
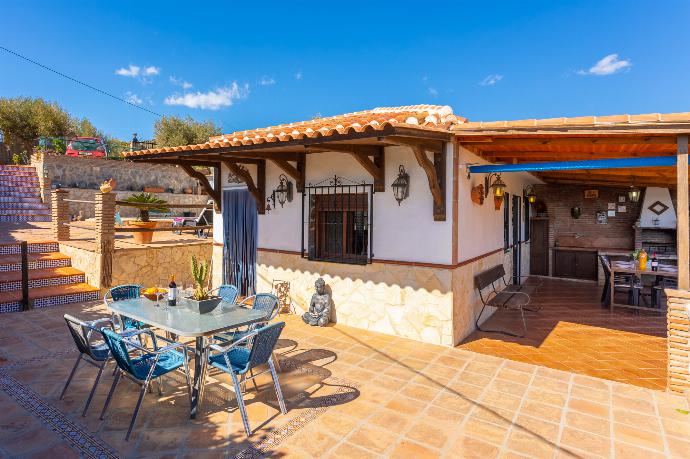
<point>678,340</point>
<point>149,266</point>
<point>130,176</point>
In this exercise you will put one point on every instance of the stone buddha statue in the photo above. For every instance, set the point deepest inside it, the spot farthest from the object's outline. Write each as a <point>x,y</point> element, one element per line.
<point>319,313</point>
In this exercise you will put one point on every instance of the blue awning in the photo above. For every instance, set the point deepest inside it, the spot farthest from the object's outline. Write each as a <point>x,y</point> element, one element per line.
<point>616,163</point>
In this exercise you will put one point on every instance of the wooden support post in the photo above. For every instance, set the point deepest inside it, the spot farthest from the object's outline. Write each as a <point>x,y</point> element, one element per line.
<point>261,186</point>
<point>683,214</point>
<point>24,247</point>
<point>203,181</point>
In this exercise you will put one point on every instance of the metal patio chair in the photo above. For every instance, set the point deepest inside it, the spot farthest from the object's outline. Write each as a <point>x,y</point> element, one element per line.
<point>228,292</point>
<point>266,302</point>
<point>239,359</point>
<point>151,365</point>
<point>91,351</point>
<point>119,293</point>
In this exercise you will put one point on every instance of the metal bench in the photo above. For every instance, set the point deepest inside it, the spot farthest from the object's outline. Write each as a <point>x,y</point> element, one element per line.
<point>496,292</point>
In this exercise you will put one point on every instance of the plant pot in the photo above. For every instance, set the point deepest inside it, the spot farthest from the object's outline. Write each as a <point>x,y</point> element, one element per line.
<point>143,237</point>
<point>203,306</point>
<point>154,189</point>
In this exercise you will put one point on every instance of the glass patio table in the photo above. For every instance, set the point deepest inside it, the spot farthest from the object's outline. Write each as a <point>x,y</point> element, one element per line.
<point>183,321</point>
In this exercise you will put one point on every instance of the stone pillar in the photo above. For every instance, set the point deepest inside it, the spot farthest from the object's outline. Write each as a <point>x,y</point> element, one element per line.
<point>105,235</point>
<point>678,323</point>
<point>60,215</point>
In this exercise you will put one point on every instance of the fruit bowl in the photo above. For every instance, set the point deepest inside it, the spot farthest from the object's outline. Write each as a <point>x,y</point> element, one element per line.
<point>154,293</point>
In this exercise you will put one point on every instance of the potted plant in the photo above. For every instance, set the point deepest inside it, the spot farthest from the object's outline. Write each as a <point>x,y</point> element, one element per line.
<point>148,202</point>
<point>200,299</point>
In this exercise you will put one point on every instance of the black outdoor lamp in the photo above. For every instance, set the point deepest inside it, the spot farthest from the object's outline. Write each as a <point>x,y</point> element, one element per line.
<point>401,185</point>
<point>282,194</point>
<point>498,187</point>
<point>529,193</point>
<point>634,194</point>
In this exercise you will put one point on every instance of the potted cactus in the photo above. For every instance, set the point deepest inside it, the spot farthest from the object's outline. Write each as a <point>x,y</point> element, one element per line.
<point>201,299</point>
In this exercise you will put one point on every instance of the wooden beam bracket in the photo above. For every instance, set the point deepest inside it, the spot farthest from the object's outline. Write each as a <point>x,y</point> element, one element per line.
<point>436,175</point>
<point>258,190</point>
<point>203,181</point>
<point>295,172</point>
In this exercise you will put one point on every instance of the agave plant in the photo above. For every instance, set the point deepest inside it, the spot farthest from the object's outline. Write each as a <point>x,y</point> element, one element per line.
<point>200,272</point>
<point>150,202</point>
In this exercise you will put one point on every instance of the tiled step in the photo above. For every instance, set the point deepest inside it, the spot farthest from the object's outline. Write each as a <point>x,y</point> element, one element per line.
<point>6,210</point>
<point>24,218</point>
<point>22,205</point>
<point>35,246</point>
<point>13,262</point>
<point>26,199</point>
<point>16,167</point>
<point>11,192</point>
<point>17,188</point>
<point>18,179</point>
<point>50,296</point>
<point>12,280</point>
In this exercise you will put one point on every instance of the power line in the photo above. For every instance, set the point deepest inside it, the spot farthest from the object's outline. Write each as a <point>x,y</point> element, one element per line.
<point>105,93</point>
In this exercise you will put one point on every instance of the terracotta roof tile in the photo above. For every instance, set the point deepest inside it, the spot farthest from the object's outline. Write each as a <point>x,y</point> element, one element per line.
<point>434,117</point>
<point>583,121</point>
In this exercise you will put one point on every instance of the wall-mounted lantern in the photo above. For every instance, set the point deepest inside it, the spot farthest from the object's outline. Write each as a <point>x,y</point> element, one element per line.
<point>634,194</point>
<point>401,185</point>
<point>281,195</point>
<point>529,194</point>
<point>498,187</point>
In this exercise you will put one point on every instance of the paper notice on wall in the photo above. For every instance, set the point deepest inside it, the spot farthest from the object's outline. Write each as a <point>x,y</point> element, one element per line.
<point>612,206</point>
<point>612,213</point>
<point>622,209</point>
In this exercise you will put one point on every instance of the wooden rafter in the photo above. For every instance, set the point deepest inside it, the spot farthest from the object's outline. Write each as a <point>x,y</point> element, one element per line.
<point>435,174</point>
<point>203,181</point>
<point>258,190</point>
<point>370,157</point>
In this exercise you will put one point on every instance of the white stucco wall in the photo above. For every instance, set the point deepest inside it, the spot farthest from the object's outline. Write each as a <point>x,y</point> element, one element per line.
<point>480,228</point>
<point>402,233</point>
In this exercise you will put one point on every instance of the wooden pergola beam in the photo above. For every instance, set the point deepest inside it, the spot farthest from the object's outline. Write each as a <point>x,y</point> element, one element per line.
<point>257,190</point>
<point>203,181</point>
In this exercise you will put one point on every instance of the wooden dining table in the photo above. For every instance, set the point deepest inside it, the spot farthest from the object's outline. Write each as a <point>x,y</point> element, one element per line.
<point>182,320</point>
<point>633,268</point>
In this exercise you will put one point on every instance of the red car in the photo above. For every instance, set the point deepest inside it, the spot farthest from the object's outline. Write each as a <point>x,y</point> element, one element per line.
<point>86,146</point>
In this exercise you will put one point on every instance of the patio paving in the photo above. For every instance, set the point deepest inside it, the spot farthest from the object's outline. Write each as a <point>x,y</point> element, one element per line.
<point>572,332</point>
<point>351,393</point>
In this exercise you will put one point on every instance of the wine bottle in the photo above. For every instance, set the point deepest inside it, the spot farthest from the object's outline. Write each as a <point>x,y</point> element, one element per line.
<point>172,291</point>
<point>655,263</point>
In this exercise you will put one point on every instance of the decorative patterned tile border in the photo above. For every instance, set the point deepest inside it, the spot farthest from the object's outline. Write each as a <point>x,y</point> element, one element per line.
<point>46,282</point>
<point>24,218</point>
<point>66,299</point>
<point>75,434</point>
<point>57,263</point>
<point>88,445</point>
<point>14,306</point>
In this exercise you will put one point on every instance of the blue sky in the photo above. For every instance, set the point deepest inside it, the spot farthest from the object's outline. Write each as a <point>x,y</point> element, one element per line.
<point>256,64</point>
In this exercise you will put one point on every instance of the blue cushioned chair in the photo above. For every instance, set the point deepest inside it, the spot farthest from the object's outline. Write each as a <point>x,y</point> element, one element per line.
<point>124,292</point>
<point>227,292</point>
<point>238,359</point>
<point>150,365</point>
<point>92,349</point>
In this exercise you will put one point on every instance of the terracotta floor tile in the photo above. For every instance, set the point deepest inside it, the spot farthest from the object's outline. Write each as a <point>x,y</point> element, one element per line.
<point>528,443</point>
<point>590,408</point>
<point>588,442</point>
<point>373,438</point>
<point>633,452</point>
<point>638,437</point>
<point>473,448</point>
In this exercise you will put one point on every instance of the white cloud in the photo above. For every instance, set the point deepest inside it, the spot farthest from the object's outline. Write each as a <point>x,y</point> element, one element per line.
<point>131,71</point>
<point>133,98</point>
<point>211,100</point>
<point>180,82</point>
<point>151,70</point>
<point>267,81</point>
<point>491,80</point>
<point>134,71</point>
<point>433,92</point>
<point>298,75</point>
<point>607,65</point>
